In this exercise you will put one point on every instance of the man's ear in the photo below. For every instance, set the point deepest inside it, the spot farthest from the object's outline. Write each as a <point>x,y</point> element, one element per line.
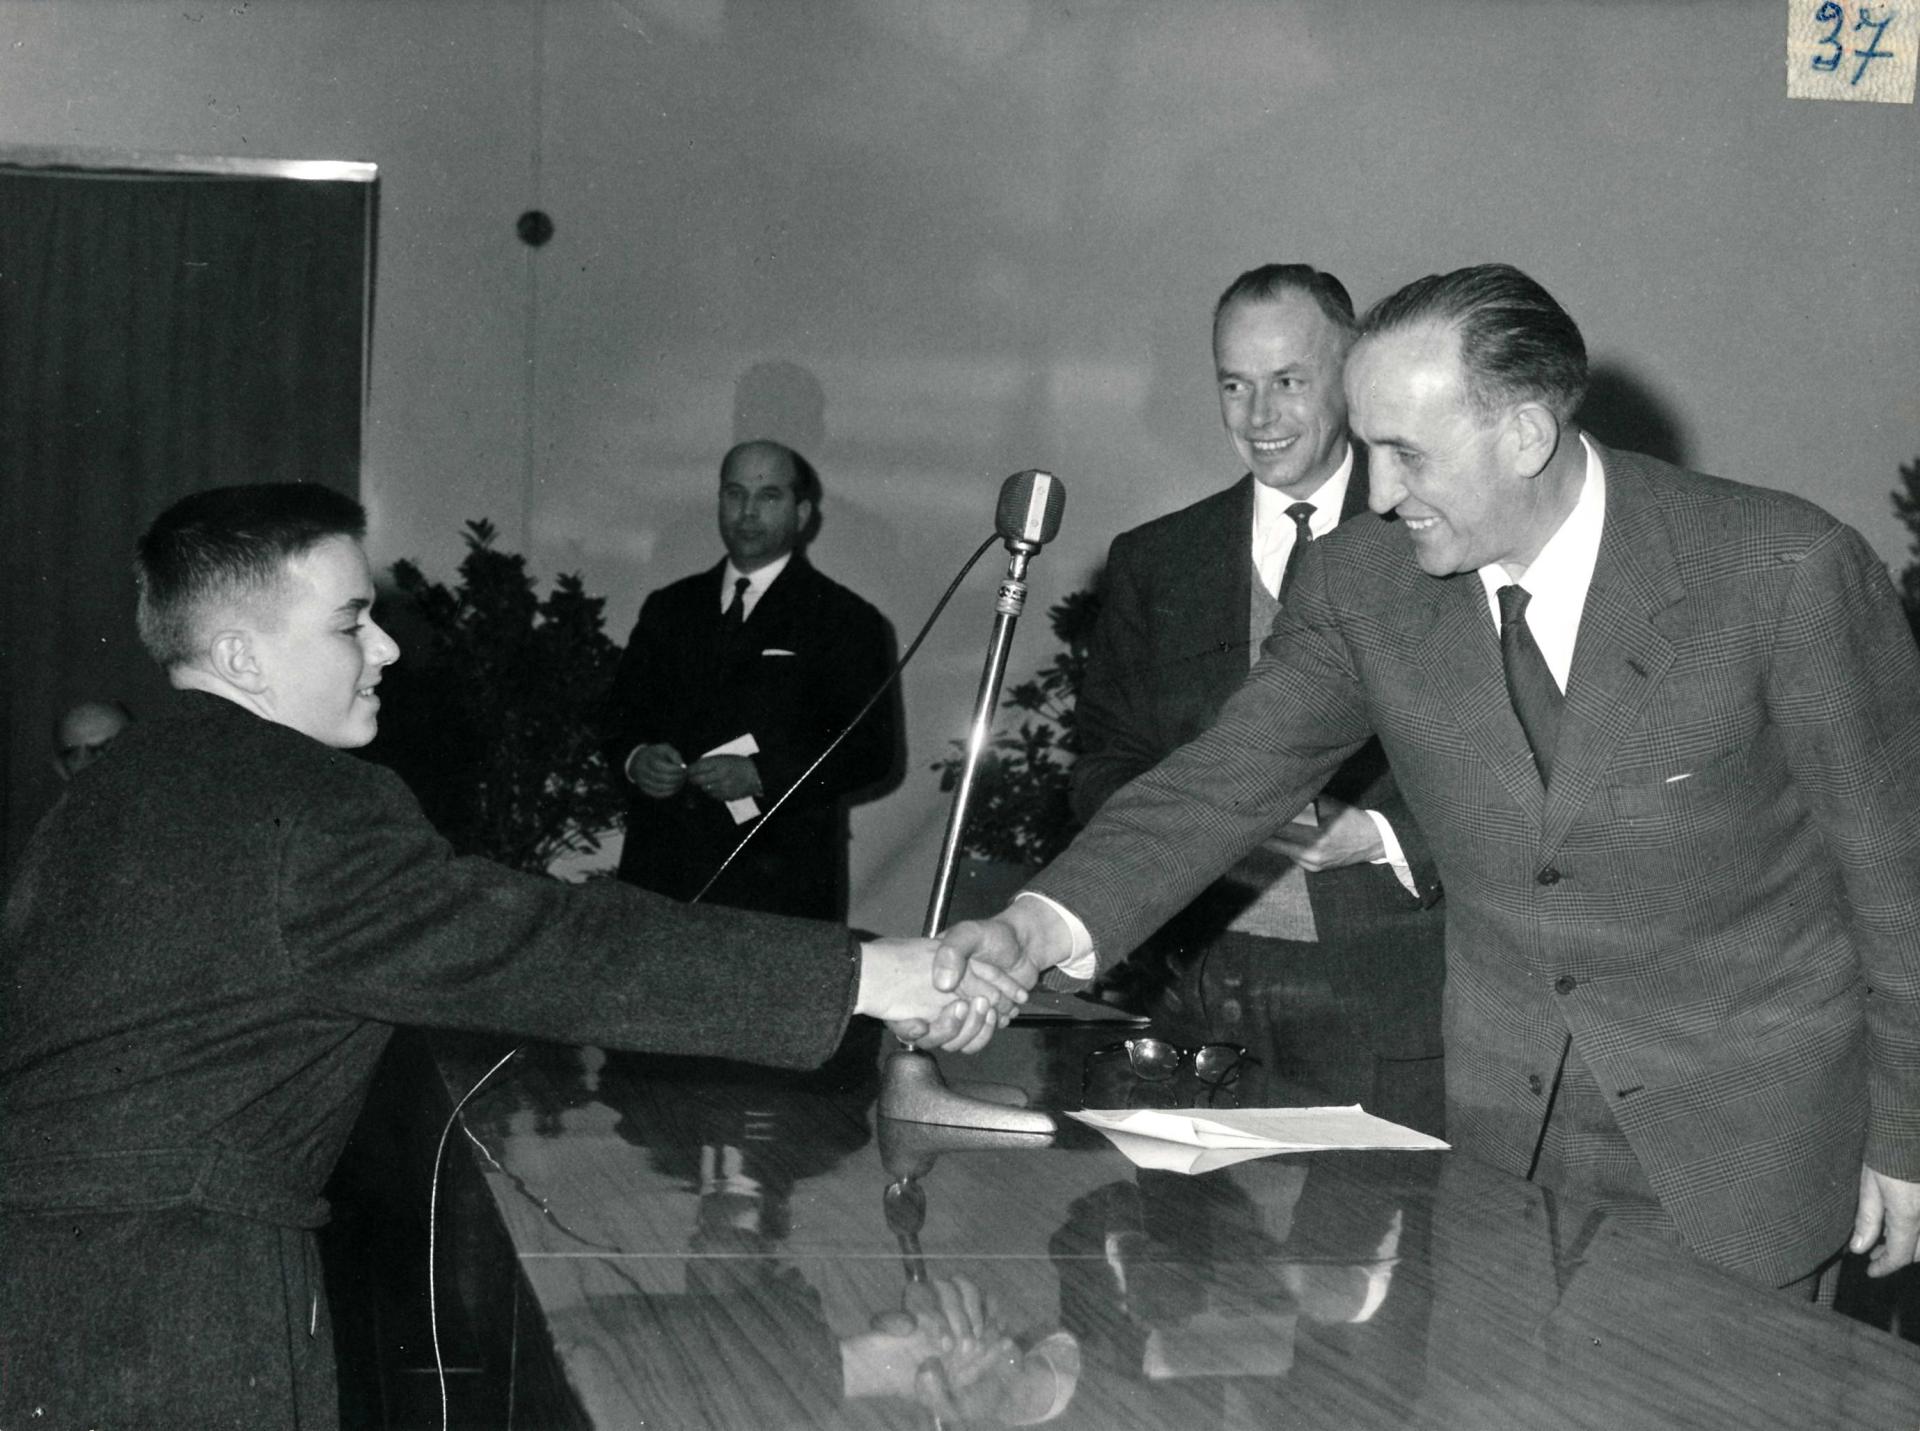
<point>232,657</point>
<point>1534,434</point>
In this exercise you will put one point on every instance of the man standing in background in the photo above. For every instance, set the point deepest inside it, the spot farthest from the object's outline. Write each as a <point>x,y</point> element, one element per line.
<point>83,733</point>
<point>1187,601</point>
<point>733,683</point>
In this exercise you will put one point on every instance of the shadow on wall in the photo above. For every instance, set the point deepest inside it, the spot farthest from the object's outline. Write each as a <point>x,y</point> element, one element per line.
<point>1622,411</point>
<point>783,401</point>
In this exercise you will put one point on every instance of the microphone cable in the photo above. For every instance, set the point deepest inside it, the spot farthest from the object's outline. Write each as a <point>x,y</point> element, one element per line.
<point>439,1155</point>
<point>888,684</point>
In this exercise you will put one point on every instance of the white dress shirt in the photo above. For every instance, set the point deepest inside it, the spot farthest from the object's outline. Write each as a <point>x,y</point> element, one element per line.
<point>757,583</point>
<point>1556,584</point>
<point>1274,531</point>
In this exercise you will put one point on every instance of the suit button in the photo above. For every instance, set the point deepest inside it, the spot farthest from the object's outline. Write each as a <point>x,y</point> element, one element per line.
<point>1534,1085</point>
<point>1564,984</point>
<point>1549,875</point>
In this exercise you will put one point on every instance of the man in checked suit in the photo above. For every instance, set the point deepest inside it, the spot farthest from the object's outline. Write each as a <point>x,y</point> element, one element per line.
<point>1187,601</point>
<point>1672,783</point>
<point>732,683</point>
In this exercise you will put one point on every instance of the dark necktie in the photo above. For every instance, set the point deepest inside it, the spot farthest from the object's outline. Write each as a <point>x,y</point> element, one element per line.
<point>1530,686</point>
<point>736,613</point>
<point>1302,534</point>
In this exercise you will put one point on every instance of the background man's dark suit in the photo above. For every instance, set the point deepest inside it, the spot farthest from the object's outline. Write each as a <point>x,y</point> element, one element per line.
<point>809,655</point>
<point>206,946</point>
<point>1170,648</point>
<point>1718,901</point>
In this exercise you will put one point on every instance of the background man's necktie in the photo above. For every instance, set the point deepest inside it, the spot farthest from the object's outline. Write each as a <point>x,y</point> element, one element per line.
<point>736,613</point>
<point>1530,685</point>
<point>1302,534</point>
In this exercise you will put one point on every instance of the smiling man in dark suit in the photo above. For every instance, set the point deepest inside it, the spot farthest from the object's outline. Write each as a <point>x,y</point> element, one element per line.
<point>1187,601</point>
<point>1663,732</point>
<point>733,682</point>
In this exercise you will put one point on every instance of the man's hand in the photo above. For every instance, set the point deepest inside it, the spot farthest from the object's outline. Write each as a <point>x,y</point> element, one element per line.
<point>725,777</point>
<point>658,770</point>
<point>1345,835</point>
<point>1008,952</point>
<point>1889,1216</point>
<point>896,985</point>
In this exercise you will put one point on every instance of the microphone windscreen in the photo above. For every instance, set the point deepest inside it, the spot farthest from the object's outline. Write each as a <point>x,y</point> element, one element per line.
<point>1030,506</point>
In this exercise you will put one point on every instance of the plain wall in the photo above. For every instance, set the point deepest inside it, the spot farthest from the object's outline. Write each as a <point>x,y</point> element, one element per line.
<point>992,234</point>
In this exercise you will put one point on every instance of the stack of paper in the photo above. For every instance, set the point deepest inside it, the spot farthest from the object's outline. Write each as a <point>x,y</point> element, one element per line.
<point>1192,1140</point>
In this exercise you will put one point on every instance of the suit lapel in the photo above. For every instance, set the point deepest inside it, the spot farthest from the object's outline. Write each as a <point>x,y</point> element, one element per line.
<point>1218,587</point>
<point>1620,654</point>
<point>1460,663</point>
<point>772,617</point>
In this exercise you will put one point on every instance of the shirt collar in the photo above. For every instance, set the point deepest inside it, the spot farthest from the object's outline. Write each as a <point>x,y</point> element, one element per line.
<point>1557,582</point>
<point>757,581</point>
<point>1272,525</point>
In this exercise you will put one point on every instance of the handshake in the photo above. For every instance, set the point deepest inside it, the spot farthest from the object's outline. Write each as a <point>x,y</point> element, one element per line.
<point>957,991</point>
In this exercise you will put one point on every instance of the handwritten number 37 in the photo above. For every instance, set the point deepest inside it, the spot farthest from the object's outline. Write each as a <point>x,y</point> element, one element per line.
<point>1863,20</point>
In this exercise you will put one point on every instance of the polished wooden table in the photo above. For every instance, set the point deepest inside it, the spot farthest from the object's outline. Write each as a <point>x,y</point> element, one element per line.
<point>685,1244</point>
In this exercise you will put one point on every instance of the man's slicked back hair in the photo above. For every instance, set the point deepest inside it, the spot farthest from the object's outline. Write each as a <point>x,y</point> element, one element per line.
<point>1517,344</point>
<point>226,547</point>
<point>1272,281</point>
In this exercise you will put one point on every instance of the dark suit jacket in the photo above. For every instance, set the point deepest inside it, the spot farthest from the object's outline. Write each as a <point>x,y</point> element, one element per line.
<point>205,947</point>
<point>1170,648</point>
<point>1718,900</point>
<point>798,671</point>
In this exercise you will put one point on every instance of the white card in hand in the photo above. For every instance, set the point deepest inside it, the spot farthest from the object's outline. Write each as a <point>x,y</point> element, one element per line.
<point>745,808</point>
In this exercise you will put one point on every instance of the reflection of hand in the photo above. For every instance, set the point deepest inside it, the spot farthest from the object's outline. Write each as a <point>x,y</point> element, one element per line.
<point>896,985</point>
<point>1009,951</point>
<point>945,1349</point>
<point>725,777</point>
<point>657,770</point>
<point>1345,835</point>
<point>1889,1216</point>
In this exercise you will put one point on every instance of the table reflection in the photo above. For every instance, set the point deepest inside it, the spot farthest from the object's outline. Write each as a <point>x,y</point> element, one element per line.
<point>709,1245</point>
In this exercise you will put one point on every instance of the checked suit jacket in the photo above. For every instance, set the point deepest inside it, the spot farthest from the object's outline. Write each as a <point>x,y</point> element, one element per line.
<point>1718,901</point>
<point>1170,648</point>
<point>792,676</point>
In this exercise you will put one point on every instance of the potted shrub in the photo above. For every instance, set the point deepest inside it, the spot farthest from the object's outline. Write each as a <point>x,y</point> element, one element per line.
<point>496,703</point>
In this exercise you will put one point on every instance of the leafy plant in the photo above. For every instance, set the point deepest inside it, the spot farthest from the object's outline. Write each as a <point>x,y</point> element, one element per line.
<point>1906,505</point>
<point>1019,812</point>
<point>495,708</point>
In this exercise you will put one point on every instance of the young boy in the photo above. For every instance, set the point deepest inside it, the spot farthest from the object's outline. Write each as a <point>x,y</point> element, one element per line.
<point>209,940</point>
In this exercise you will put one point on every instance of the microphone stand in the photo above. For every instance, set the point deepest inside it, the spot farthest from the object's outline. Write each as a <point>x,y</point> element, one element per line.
<point>911,1087</point>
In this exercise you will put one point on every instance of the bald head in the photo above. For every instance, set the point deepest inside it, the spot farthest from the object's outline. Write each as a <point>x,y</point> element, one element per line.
<point>768,497</point>
<point>84,732</point>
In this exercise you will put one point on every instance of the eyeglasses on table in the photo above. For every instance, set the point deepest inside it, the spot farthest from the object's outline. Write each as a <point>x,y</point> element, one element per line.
<point>1157,1060</point>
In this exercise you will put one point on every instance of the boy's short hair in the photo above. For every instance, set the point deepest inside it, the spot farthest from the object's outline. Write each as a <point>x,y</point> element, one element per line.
<point>228,547</point>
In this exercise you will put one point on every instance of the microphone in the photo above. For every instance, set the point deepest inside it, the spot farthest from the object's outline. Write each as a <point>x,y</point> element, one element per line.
<point>1028,516</point>
<point>911,1088</point>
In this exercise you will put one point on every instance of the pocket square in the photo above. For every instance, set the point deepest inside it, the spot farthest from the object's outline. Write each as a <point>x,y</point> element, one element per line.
<point>775,651</point>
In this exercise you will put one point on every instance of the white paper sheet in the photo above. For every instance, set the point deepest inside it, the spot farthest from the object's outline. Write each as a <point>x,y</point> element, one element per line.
<point>1197,1140</point>
<point>745,808</point>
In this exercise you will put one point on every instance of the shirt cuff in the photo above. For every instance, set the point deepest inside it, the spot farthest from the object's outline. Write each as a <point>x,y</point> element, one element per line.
<point>1082,962</point>
<point>1395,856</point>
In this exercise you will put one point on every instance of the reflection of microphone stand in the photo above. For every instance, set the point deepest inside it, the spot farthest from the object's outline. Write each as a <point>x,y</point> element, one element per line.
<point>911,1087</point>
